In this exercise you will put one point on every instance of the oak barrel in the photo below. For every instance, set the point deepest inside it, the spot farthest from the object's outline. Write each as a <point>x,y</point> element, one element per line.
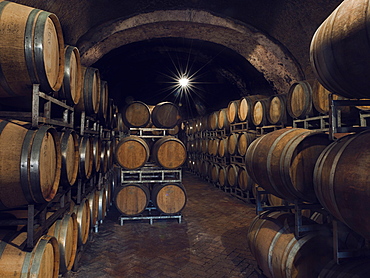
<point>299,100</point>
<point>165,115</point>
<point>31,165</point>
<point>169,152</point>
<point>69,145</point>
<point>244,140</point>
<point>280,254</point>
<point>222,121</point>
<point>213,120</point>
<point>246,106</point>
<point>65,230</point>
<point>232,175</point>
<point>102,204</point>
<point>339,50</point>
<point>341,177</point>
<point>222,176</point>
<point>244,181</point>
<point>93,199</point>
<point>104,101</point>
<point>132,152</point>
<point>104,157</point>
<point>42,261</point>
<point>90,98</point>
<point>283,162</point>
<point>83,218</point>
<point>72,80</point>
<point>215,170</point>
<point>136,114</point>
<point>260,110</point>
<point>131,199</point>
<point>86,157</point>
<point>232,143</point>
<point>31,50</point>
<point>222,147</point>
<point>97,149</point>
<point>169,198</point>
<point>277,113</point>
<point>232,111</point>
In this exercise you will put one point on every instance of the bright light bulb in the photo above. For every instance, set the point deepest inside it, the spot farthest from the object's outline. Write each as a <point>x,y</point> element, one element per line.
<point>184,82</point>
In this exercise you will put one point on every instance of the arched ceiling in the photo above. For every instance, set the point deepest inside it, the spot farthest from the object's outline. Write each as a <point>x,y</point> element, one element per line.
<point>237,47</point>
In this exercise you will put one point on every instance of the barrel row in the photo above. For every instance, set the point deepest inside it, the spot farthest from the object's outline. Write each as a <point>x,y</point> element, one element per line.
<point>39,161</point>
<point>304,99</point>
<point>133,152</point>
<point>235,143</point>
<point>132,199</point>
<point>162,115</point>
<point>56,67</point>
<point>55,252</point>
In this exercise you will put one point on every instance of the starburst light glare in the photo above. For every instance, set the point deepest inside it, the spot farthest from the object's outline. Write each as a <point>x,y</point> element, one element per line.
<point>184,81</point>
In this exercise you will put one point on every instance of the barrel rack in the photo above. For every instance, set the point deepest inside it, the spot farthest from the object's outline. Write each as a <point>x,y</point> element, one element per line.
<point>150,173</point>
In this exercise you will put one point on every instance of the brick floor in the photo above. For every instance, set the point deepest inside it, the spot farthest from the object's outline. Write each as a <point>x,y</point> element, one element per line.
<point>209,242</point>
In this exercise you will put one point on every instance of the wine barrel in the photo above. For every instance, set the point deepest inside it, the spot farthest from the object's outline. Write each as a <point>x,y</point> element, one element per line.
<point>283,162</point>
<point>222,147</point>
<point>244,181</point>
<point>108,123</point>
<point>110,146</point>
<point>280,254</point>
<point>86,157</point>
<point>31,171</point>
<point>274,200</point>
<point>102,204</point>
<point>244,140</point>
<point>215,170</point>
<point>104,101</point>
<point>169,198</point>
<point>340,180</point>
<point>83,216</point>
<point>65,230</point>
<point>350,268</point>
<point>132,152</point>
<point>169,152</point>
<point>299,100</point>
<point>136,114</point>
<point>97,149</point>
<point>232,143</point>
<point>213,146</point>
<point>165,115</point>
<point>339,50</point>
<point>277,113</point>
<point>232,111</point>
<point>131,199</point>
<point>222,121</point>
<point>246,106</point>
<point>69,146</point>
<point>104,157</point>
<point>222,176</point>
<point>93,199</point>
<point>72,80</point>
<point>90,98</point>
<point>42,261</point>
<point>260,110</point>
<point>205,168</point>
<point>232,175</point>
<point>213,120</point>
<point>23,62</point>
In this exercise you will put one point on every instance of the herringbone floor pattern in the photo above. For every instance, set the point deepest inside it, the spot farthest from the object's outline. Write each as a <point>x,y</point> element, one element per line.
<point>209,242</point>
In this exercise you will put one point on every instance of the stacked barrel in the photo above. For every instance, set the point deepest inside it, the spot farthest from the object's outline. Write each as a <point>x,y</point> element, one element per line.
<point>49,171</point>
<point>151,156</point>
